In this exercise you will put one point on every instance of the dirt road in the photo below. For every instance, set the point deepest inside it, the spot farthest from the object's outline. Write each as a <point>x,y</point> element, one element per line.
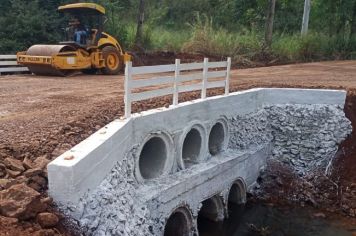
<point>45,116</point>
<point>34,111</point>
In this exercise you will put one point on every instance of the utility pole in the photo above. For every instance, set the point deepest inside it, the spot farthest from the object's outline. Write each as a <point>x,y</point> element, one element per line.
<point>269,22</point>
<point>305,23</point>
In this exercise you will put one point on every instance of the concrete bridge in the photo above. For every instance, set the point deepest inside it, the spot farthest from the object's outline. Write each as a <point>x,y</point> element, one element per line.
<point>158,171</point>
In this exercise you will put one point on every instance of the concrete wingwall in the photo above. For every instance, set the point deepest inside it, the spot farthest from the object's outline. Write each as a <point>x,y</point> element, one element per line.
<point>159,171</point>
<point>85,166</point>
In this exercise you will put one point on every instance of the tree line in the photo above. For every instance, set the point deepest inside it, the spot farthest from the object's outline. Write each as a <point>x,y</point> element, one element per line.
<point>27,22</point>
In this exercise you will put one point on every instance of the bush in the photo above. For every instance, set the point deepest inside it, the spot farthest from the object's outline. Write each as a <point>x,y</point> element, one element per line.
<point>314,46</point>
<point>219,42</point>
<point>168,40</point>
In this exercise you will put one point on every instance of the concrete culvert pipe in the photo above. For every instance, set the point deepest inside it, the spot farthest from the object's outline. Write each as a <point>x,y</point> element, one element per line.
<point>179,223</point>
<point>216,138</point>
<point>212,209</point>
<point>153,158</point>
<point>236,198</point>
<point>191,149</point>
<point>237,193</point>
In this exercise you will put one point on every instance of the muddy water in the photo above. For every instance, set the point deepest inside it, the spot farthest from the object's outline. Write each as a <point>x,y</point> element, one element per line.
<point>262,220</point>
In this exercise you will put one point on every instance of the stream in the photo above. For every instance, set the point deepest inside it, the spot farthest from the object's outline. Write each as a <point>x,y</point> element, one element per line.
<point>255,219</point>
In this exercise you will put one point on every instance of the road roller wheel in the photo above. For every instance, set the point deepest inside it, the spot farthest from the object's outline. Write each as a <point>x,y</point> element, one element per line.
<point>112,61</point>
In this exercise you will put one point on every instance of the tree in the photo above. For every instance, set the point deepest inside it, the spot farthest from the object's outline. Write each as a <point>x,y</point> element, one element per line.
<point>269,22</point>
<point>140,20</point>
<point>25,23</point>
<point>115,26</point>
<point>353,27</point>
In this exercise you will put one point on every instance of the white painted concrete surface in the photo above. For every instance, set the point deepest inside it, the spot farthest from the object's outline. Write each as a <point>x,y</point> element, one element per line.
<point>84,167</point>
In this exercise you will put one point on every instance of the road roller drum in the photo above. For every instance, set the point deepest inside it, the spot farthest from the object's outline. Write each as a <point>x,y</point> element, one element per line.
<point>48,51</point>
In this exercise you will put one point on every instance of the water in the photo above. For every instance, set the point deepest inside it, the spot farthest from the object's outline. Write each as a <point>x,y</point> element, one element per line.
<point>261,220</point>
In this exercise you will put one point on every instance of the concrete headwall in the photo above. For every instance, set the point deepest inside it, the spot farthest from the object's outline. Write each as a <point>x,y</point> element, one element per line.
<point>85,166</point>
<point>134,176</point>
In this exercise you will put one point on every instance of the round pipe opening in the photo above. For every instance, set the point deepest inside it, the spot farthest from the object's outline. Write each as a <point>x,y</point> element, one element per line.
<point>191,148</point>
<point>178,224</point>
<point>211,212</point>
<point>212,209</point>
<point>216,139</point>
<point>236,199</point>
<point>153,158</point>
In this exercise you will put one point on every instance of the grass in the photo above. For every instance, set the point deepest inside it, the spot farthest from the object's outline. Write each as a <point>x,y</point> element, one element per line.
<point>244,46</point>
<point>219,42</point>
<point>157,39</point>
<point>314,46</point>
<point>168,40</point>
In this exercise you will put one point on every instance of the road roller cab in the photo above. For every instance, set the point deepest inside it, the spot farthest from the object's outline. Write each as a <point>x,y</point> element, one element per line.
<point>85,47</point>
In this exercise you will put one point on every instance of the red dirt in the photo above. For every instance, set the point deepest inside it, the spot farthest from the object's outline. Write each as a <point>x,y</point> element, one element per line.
<point>44,116</point>
<point>346,157</point>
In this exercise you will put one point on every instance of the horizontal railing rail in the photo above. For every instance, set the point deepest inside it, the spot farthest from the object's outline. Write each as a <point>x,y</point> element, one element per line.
<point>175,82</point>
<point>8,64</point>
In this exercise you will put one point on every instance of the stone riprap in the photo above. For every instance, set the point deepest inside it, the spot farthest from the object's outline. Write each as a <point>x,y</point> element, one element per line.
<point>250,130</point>
<point>123,206</point>
<point>306,137</point>
<point>108,190</point>
<point>323,126</point>
<point>113,208</point>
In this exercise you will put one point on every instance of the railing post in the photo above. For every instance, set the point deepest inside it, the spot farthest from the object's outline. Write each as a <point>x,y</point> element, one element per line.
<point>175,83</point>
<point>127,97</point>
<point>205,78</point>
<point>227,80</point>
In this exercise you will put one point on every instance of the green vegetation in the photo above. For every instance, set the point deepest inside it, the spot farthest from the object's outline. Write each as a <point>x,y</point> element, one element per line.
<point>212,27</point>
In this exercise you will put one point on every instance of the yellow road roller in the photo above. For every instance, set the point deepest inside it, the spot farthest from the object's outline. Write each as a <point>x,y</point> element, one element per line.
<point>86,47</point>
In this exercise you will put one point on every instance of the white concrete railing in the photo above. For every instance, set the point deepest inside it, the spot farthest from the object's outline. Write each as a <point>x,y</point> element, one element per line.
<point>177,80</point>
<point>9,64</point>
